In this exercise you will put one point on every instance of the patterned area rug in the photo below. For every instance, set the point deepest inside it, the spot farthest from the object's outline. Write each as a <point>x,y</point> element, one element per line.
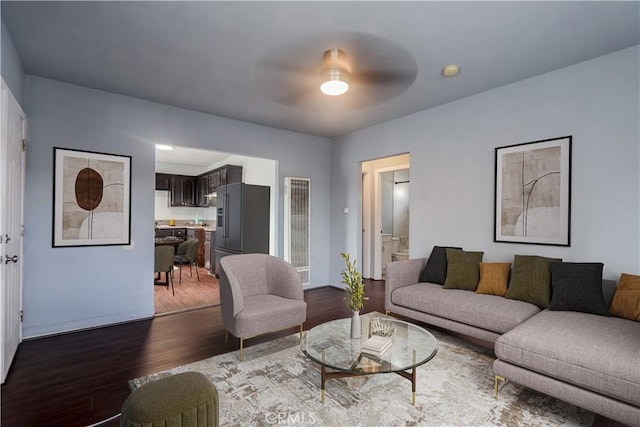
<point>277,385</point>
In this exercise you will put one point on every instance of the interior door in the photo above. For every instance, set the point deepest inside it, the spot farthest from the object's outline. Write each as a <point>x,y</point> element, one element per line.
<point>11,220</point>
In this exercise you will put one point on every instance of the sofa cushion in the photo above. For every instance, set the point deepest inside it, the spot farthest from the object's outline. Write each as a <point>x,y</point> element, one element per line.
<point>488,312</point>
<point>626,300</point>
<point>435,271</point>
<point>598,353</point>
<point>531,280</point>
<point>463,271</point>
<point>577,286</point>
<point>494,278</point>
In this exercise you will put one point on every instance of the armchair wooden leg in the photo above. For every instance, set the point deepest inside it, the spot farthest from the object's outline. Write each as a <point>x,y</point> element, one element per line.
<point>241,345</point>
<point>197,273</point>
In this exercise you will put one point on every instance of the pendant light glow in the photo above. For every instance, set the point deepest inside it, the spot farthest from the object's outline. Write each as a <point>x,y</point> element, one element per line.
<point>337,72</point>
<point>334,86</point>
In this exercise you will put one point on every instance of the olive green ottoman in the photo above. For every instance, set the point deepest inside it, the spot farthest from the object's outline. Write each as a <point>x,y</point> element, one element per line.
<point>186,399</point>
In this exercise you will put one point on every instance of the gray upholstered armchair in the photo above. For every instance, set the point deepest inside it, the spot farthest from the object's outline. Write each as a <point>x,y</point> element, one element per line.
<point>259,293</point>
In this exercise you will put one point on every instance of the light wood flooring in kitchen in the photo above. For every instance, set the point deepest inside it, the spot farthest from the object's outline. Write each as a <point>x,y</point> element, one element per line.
<point>191,293</point>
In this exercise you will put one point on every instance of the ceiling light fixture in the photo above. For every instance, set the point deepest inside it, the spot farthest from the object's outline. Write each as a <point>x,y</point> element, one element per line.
<point>164,147</point>
<point>337,73</point>
<point>450,70</point>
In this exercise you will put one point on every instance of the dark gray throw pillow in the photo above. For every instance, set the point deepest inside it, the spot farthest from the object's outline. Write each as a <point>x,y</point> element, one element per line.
<point>436,269</point>
<point>577,286</point>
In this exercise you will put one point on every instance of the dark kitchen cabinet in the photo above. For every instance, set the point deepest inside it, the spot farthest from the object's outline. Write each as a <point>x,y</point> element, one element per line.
<point>163,181</point>
<point>194,191</point>
<point>174,232</point>
<point>201,191</point>
<point>177,190</point>
<point>213,181</point>
<point>230,174</point>
<point>183,190</point>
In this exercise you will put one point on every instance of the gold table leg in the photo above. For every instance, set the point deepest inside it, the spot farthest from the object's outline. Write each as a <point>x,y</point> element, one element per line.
<point>323,379</point>
<point>495,385</point>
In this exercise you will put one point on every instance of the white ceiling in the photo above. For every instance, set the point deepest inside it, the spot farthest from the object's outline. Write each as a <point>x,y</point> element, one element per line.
<point>191,157</point>
<point>207,56</point>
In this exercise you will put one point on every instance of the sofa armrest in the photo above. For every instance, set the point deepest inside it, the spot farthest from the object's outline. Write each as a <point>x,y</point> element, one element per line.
<point>401,273</point>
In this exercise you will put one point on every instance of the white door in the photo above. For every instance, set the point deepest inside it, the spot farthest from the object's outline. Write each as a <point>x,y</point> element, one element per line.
<point>11,220</point>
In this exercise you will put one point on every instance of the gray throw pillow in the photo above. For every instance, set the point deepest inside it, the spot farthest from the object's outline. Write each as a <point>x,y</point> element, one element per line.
<point>577,287</point>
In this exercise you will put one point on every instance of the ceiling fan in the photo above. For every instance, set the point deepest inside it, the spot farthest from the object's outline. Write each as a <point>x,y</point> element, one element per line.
<point>336,71</point>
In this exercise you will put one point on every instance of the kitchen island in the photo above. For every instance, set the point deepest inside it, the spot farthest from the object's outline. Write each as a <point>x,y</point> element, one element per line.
<point>205,254</point>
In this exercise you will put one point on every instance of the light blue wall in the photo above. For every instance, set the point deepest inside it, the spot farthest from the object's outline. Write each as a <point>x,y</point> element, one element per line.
<point>72,288</point>
<point>452,165</point>
<point>11,69</point>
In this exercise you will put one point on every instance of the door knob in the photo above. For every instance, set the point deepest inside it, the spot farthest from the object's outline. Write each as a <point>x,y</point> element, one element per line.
<point>8,259</point>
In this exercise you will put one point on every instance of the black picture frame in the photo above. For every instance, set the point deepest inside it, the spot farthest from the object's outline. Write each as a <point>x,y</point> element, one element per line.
<point>533,192</point>
<point>91,198</point>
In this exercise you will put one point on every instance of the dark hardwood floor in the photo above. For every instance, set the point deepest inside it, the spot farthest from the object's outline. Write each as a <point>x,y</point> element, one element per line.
<point>81,378</point>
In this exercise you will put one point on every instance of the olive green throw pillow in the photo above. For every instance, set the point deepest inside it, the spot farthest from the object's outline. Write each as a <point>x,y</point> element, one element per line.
<point>531,280</point>
<point>463,269</point>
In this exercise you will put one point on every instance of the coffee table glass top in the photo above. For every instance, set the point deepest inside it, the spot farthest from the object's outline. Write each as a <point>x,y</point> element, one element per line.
<point>330,344</point>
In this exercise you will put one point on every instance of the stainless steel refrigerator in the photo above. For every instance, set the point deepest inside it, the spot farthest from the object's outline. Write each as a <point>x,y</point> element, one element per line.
<point>242,224</point>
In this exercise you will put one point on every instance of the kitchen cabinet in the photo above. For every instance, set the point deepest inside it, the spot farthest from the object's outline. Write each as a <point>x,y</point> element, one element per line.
<point>183,190</point>
<point>163,181</point>
<point>174,232</point>
<point>229,174</point>
<point>213,181</point>
<point>201,191</point>
<point>194,190</point>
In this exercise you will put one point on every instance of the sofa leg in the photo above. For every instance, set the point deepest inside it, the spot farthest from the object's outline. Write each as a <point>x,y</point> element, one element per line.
<point>386,313</point>
<point>495,385</point>
<point>301,329</point>
<point>241,345</point>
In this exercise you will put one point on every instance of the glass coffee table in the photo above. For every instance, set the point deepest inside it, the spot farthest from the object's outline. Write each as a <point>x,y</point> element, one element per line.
<point>330,345</point>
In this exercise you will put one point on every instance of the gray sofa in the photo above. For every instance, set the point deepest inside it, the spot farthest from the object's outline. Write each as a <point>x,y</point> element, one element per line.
<point>588,360</point>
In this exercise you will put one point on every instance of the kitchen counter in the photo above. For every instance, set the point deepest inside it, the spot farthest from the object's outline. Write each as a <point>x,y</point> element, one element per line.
<point>188,227</point>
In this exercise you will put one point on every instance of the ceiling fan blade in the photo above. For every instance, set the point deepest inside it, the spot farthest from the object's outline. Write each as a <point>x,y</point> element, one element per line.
<point>384,77</point>
<point>299,97</point>
<point>379,70</point>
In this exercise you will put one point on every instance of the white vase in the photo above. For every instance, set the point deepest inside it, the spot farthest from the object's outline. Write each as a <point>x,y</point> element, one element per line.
<point>355,324</point>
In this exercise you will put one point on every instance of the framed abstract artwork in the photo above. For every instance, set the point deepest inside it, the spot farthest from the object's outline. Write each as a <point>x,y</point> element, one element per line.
<point>91,198</point>
<point>533,192</point>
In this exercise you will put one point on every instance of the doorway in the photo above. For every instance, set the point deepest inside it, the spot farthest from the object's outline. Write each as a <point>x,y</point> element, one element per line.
<point>12,165</point>
<point>385,213</point>
<point>201,289</point>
